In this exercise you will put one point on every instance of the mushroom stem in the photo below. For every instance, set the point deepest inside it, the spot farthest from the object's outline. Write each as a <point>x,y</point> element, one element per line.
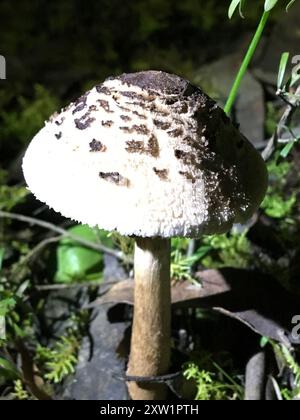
<point>151,331</point>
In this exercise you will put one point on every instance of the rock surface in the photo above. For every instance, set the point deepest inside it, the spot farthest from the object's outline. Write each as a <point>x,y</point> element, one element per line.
<point>98,362</point>
<point>217,79</point>
<point>98,359</point>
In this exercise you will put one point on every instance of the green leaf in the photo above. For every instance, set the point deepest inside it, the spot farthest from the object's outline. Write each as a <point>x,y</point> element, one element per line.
<point>264,341</point>
<point>9,369</point>
<point>290,4</point>
<point>282,69</point>
<point>270,4</point>
<point>76,262</point>
<point>287,149</point>
<point>232,8</point>
<point>6,305</point>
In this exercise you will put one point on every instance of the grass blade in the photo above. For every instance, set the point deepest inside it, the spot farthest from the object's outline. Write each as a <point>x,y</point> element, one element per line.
<point>232,8</point>
<point>270,4</point>
<point>282,69</point>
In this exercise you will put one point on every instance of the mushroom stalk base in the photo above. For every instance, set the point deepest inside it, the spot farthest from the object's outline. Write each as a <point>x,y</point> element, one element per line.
<point>151,331</point>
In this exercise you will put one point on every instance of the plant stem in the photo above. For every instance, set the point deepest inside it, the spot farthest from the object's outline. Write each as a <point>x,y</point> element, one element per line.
<point>151,330</point>
<point>49,226</point>
<point>246,62</point>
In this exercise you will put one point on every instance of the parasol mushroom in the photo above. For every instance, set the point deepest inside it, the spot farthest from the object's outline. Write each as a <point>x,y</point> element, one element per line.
<point>151,156</point>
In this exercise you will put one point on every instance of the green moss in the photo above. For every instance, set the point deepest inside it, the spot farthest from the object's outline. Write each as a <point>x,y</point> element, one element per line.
<point>10,195</point>
<point>60,360</point>
<point>212,383</point>
<point>76,262</point>
<point>19,125</point>
<point>229,250</point>
<point>276,206</point>
<point>279,203</point>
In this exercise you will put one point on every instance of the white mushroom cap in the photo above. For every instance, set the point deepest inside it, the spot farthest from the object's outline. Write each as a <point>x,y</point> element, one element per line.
<point>146,154</point>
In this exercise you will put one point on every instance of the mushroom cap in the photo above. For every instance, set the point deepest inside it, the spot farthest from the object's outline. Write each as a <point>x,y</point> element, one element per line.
<point>146,154</point>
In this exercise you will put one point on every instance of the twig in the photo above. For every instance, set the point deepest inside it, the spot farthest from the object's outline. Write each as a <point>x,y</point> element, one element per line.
<point>37,249</point>
<point>283,123</point>
<point>49,226</point>
<point>29,374</point>
<point>54,287</point>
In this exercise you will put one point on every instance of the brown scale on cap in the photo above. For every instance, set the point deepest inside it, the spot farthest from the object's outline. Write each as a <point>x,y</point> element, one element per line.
<point>103,89</point>
<point>161,173</point>
<point>141,116</point>
<point>134,146</point>
<point>162,125</point>
<point>159,112</point>
<point>177,132</point>
<point>123,108</point>
<point>92,108</point>
<point>141,129</point>
<point>114,178</point>
<point>141,104</point>
<point>125,118</point>
<point>105,105</point>
<point>188,140</point>
<point>60,122</point>
<point>108,123</point>
<point>187,158</point>
<point>182,108</point>
<point>127,130</point>
<point>180,154</point>
<point>133,95</point>
<point>84,122</point>
<point>170,101</point>
<point>58,135</point>
<point>158,82</point>
<point>188,176</point>
<point>80,104</point>
<point>97,146</point>
<point>176,93</point>
<point>178,121</point>
<point>153,146</point>
<point>138,129</point>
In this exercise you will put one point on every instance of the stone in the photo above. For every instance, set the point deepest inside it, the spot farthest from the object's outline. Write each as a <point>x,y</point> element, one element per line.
<point>217,79</point>
<point>99,362</point>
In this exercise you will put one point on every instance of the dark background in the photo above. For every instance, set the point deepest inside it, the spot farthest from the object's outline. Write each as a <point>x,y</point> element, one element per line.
<point>55,50</point>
